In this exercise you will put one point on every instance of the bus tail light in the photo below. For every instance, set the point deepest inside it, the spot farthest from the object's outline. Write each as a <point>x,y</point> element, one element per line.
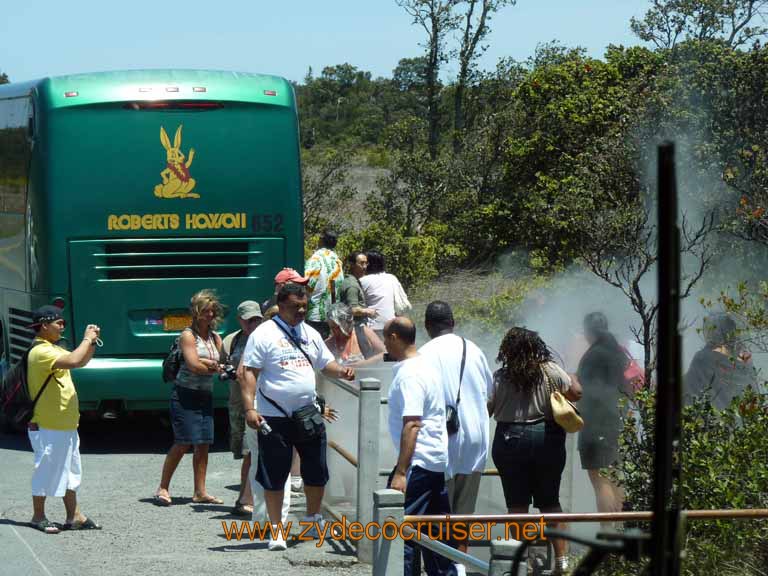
<point>70,94</point>
<point>59,302</point>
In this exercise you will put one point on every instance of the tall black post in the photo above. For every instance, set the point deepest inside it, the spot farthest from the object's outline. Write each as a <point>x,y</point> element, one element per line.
<point>666,508</point>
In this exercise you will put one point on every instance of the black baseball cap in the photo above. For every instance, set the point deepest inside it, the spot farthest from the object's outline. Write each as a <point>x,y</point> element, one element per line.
<point>46,314</point>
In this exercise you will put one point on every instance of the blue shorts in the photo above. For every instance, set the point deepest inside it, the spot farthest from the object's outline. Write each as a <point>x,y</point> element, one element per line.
<point>276,455</point>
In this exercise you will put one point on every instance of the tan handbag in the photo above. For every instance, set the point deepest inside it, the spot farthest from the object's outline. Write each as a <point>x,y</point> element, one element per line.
<point>563,411</point>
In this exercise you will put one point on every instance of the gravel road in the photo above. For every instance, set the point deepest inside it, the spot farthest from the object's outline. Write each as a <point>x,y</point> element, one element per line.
<point>121,467</point>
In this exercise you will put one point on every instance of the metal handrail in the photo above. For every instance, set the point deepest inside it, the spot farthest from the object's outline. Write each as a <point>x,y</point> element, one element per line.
<point>572,517</point>
<point>486,472</point>
<point>348,456</point>
<point>346,386</point>
<point>446,551</point>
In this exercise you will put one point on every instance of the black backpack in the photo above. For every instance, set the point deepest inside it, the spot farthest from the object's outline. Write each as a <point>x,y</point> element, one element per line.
<point>172,362</point>
<point>17,405</point>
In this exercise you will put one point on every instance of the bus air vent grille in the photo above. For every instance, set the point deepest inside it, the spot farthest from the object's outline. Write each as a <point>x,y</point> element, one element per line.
<point>163,259</point>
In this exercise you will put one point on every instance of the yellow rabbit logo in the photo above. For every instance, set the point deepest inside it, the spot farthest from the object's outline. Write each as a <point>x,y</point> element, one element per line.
<point>176,180</point>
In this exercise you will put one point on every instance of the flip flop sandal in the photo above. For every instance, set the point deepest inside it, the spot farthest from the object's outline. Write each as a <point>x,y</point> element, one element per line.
<point>242,509</point>
<point>161,500</point>
<point>208,500</point>
<point>45,526</point>
<point>87,525</point>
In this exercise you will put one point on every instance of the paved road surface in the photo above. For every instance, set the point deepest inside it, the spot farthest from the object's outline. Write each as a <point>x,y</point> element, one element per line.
<point>121,468</point>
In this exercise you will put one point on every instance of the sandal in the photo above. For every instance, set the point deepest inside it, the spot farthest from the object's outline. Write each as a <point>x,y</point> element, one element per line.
<point>207,499</point>
<point>241,509</point>
<point>45,526</point>
<point>88,524</point>
<point>161,500</point>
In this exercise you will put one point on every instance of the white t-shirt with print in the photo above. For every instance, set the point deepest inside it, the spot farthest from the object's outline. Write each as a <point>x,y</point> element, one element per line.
<point>415,391</point>
<point>468,448</point>
<point>286,376</point>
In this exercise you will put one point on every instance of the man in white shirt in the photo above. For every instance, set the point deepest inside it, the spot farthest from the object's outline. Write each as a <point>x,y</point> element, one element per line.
<point>417,426</point>
<point>467,383</point>
<point>279,365</point>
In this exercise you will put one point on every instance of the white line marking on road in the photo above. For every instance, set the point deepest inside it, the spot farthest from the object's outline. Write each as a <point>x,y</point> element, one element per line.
<point>35,556</point>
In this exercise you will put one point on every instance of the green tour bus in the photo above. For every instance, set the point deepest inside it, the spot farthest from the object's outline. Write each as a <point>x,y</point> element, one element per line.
<point>124,193</point>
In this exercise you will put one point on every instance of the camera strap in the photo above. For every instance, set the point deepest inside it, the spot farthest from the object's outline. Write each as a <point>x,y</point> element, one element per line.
<point>275,404</point>
<point>294,342</point>
<point>461,372</point>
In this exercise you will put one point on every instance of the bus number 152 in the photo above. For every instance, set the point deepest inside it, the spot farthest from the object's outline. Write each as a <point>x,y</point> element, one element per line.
<point>267,223</point>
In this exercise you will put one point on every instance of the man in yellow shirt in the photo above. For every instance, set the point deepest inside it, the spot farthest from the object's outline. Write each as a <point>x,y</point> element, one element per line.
<point>53,428</point>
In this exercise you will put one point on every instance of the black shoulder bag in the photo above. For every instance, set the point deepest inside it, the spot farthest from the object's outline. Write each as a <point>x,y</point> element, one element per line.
<point>452,412</point>
<point>307,420</point>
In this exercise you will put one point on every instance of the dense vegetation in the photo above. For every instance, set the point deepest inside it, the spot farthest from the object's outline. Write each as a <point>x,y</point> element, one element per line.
<point>554,158</point>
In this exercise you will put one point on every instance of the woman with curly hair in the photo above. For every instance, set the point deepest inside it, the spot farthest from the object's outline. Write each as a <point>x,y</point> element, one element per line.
<point>529,446</point>
<point>192,396</point>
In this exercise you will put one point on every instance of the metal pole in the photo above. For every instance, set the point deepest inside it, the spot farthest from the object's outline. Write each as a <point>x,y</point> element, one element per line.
<point>369,414</point>
<point>666,506</point>
<point>388,555</point>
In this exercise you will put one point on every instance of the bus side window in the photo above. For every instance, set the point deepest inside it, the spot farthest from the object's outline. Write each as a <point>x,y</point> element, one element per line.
<point>14,161</point>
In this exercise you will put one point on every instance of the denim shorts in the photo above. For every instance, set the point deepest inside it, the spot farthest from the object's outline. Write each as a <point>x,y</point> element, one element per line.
<point>530,459</point>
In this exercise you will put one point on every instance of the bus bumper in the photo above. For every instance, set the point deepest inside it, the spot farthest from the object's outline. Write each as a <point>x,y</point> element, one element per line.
<point>135,383</point>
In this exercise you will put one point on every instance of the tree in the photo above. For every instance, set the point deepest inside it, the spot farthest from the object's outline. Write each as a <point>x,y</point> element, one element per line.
<point>325,188</point>
<point>437,18</point>
<point>669,21</point>
<point>475,28</point>
<point>4,78</point>
<point>409,196</point>
<point>622,251</point>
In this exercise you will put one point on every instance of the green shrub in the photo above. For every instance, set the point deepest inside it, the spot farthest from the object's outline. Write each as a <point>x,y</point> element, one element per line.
<point>724,458</point>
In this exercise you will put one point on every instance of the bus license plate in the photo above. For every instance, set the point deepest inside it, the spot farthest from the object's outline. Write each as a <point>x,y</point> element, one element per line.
<point>176,323</point>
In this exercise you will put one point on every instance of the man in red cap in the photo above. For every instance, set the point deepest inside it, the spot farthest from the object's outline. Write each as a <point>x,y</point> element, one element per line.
<point>283,277</point>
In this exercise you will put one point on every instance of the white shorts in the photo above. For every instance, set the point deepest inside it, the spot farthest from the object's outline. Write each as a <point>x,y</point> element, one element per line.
<point>57,461</point>
<point>259,505</point>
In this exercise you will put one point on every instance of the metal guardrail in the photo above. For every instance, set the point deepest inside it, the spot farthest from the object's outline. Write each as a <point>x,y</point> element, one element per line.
<point>486,472</point>
<point>366,462</point>
<point>451,553</point>
<point>725,514</point>
<point>389,507</point>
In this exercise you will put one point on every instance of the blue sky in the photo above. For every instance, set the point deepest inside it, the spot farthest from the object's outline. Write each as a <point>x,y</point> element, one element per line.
<point>285,38</point>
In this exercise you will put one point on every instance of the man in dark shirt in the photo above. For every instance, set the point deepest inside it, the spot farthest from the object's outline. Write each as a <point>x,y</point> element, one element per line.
<point>722,369</point>
<point>352,291</point>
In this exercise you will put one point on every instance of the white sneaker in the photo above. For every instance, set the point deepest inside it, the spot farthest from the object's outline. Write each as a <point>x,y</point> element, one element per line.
<point>277,544</point>
<point>318,525</point>
<point>561,566</point>
<point>297,484</point>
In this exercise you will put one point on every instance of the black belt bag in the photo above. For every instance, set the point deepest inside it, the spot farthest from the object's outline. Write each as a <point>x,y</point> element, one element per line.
<point>308,422</point>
